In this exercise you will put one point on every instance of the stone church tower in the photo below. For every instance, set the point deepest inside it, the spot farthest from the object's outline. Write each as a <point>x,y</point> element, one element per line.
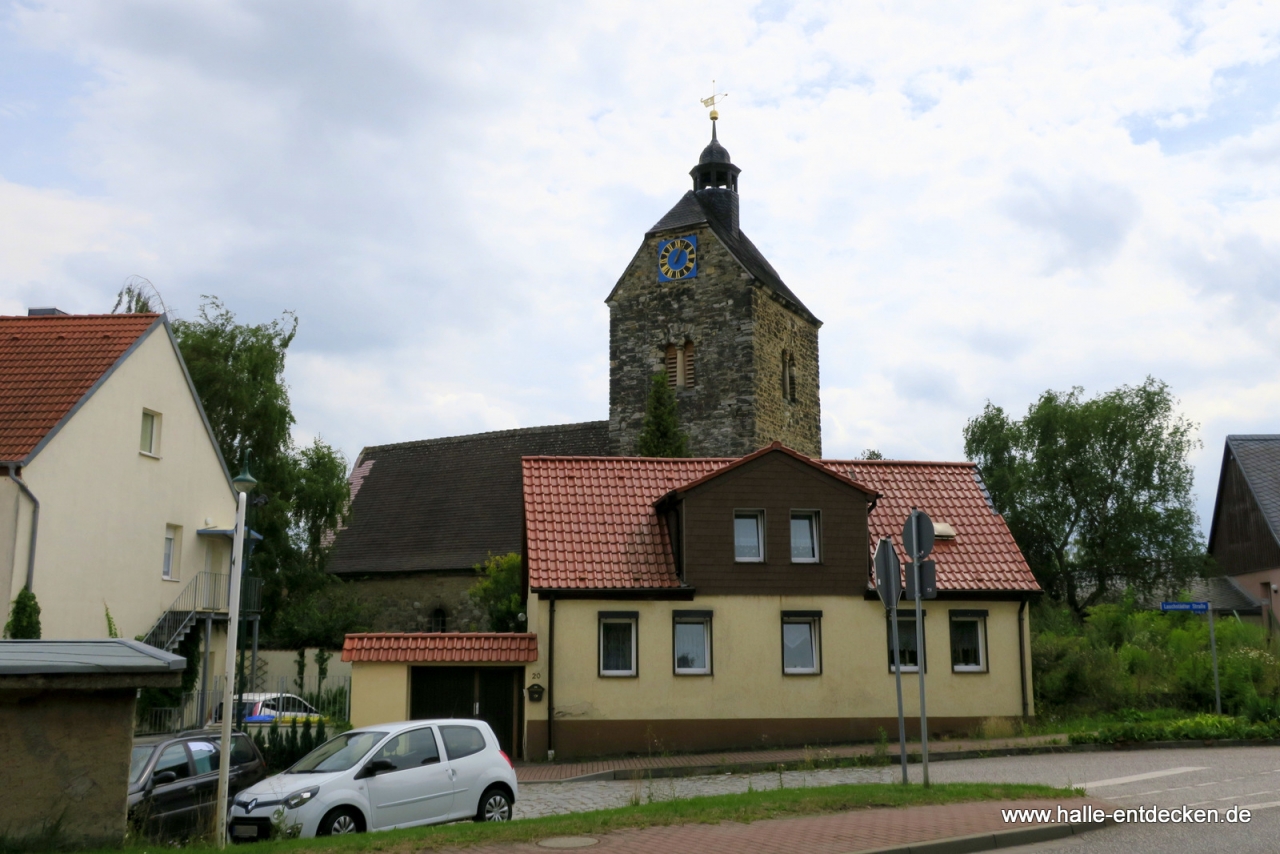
<point>700,303</point>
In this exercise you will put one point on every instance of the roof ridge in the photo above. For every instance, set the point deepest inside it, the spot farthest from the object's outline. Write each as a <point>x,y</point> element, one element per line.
<point>958,463</point>
<point>47,318</point>
<point>445,440</point>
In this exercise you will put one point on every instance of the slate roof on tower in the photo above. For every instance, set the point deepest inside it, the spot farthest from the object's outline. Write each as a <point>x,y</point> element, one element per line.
<point>693,209</point>
<point>448,503</point>
<point>591,523</point>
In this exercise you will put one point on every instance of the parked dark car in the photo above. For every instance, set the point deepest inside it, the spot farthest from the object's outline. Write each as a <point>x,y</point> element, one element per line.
<point>173,781</point>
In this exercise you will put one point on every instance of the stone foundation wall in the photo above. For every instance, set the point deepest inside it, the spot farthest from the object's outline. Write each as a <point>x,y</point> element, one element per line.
<point>404,602</point>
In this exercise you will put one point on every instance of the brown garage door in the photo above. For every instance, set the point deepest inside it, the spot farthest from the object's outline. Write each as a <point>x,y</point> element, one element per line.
<point>491,694</point>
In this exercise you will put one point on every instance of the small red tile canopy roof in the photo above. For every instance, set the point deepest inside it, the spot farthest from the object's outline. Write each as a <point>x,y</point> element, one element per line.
<point>592,525</point>
<point>422,647</point>
<point>47,365</point>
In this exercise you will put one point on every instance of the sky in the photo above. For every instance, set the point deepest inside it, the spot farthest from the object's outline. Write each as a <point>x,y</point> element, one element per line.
<point>981,200</point>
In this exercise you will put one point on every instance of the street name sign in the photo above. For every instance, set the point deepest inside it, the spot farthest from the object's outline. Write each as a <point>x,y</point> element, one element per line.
<point>1193,607</point>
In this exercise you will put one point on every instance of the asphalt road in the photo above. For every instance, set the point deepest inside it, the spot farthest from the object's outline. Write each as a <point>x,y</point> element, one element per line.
<point>1201,778</point>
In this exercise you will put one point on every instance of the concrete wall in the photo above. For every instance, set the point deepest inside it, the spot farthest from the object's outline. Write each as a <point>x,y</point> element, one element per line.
<point>748,701</point>
<point>104,506</point>
<point>10,509</point>
<point>64,761</point>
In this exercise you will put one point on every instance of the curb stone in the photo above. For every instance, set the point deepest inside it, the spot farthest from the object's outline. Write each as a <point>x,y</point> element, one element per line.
<point>991,841</point>
<point>912,758</point>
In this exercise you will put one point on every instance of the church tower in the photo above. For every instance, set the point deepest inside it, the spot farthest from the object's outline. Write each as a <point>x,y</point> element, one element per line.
<point>702,305</point>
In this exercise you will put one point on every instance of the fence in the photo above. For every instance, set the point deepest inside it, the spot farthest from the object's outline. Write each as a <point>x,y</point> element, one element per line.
<point>285,700</point>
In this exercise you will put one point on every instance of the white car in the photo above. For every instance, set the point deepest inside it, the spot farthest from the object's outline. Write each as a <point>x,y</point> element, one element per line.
<point>380,777</point>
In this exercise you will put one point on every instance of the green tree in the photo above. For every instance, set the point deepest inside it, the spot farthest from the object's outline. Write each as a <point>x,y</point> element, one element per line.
<point>870,454</point>
<point>660,434</point>
<point>238,371</point>
<point>24,617</point>
<point>1097,492</point>
<point>138,296</point>
<point>500,593</point>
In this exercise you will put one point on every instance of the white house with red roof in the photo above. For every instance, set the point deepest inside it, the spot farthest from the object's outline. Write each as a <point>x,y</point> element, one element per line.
<point>701,604</point>
<point>113,492</point>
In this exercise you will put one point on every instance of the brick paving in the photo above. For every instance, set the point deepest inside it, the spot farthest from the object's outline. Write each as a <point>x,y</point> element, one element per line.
<point>539,799</point>
<point>837,833</point>
<point>541,772</point>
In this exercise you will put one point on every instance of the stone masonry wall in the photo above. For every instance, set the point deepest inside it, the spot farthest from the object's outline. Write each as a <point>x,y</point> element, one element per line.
<point>713,310</point>
<point>404,602</point>
<point>797,425</point>
<point>739,331</point>
<point>64,764</point>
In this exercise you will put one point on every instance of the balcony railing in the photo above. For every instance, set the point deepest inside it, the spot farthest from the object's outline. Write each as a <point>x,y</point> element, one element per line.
<point>207,593</point>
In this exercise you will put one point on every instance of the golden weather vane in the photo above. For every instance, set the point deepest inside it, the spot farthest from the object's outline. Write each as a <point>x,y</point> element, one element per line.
<point>716,97</point>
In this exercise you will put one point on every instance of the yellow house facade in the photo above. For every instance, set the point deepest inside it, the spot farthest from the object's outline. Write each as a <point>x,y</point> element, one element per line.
<point>113,492</point>
<point>708,604</point>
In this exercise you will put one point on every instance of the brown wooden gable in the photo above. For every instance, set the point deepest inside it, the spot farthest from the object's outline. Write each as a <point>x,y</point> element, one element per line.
<point>1241,540</point>
<point>777,483</point>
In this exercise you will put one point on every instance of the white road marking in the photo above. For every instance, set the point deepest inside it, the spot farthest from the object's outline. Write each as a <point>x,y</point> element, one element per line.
<point>1134,778</point>
<point>1256,807</point>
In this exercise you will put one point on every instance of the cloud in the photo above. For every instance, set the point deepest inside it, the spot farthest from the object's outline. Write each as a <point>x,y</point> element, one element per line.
<point>981,200</point>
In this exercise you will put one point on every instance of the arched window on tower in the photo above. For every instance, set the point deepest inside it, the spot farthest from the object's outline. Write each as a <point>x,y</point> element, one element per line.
<point>788,376</point>
<point>439,621</point>
<point>680,370</point>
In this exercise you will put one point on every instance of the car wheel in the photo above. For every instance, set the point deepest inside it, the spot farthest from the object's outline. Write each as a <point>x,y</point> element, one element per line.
<point>495,805</point>
<point>339,821</point>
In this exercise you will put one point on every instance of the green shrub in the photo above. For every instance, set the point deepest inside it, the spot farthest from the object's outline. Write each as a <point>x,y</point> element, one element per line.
<point>1122,658</point>
<point>1198,728</point>
<point>24,617</point>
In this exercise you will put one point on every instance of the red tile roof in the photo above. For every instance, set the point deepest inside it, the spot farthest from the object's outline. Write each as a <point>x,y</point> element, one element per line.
<point>591,522</point>
<point>983,555</point>
<point>423,647</point>
<point>48,363</point>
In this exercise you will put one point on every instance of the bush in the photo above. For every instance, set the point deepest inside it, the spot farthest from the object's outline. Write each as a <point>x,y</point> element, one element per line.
<point>24,617</point>
<point>1122,658</point>
<point>1198,728</point>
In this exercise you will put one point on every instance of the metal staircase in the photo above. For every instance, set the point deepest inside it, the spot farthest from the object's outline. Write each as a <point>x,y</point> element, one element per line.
<point>207,593</point>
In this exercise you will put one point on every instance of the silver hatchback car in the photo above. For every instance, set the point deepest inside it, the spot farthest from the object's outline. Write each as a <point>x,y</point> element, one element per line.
<point>380,777</point>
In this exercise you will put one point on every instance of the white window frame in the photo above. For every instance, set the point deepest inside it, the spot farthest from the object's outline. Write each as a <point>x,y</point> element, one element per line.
<point>171,559</point>
<point>814,622</point>
<point>981,621</point>
<point>759,516</point>
<point>613,618</point>
<point>703,620</point>
<point>154,450</point>
<point>815,530</point>
<point>908,614</point>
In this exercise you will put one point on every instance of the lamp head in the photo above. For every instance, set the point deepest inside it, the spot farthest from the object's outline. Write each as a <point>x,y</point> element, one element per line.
<point>244,482</point>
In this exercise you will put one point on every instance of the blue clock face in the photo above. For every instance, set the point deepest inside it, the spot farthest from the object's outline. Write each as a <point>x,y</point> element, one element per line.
<point>678,259</point>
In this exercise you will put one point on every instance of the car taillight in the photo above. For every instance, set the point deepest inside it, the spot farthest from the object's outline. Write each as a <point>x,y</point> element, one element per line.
<point>504,755</point>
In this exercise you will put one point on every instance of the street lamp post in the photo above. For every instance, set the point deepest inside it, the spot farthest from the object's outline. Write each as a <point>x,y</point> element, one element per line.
<point>243,483</point>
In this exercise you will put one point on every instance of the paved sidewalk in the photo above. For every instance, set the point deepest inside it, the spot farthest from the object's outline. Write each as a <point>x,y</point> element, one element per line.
<point>837,833</point>
<point>685,764</point>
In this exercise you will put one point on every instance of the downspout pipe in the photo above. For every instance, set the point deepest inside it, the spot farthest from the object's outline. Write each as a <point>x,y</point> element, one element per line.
<point>551,676</point>
<point>35,522</point>
<point>1022,656</point>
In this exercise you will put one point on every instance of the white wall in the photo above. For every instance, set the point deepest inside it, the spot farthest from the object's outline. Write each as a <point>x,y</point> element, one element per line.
<point>104,506</point>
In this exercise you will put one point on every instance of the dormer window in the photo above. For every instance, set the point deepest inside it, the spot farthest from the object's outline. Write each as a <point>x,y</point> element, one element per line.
<point>680,370</point>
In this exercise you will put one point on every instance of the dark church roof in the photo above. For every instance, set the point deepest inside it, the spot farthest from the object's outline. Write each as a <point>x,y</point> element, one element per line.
<point>447,504</point>
<point>1245,533</point>
<point>695,208</point>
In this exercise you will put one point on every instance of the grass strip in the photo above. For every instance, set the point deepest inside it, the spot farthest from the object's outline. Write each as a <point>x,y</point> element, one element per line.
<point>742,807</point>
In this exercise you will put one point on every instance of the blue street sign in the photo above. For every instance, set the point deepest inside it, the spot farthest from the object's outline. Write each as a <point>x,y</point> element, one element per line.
<point>1193,607</point>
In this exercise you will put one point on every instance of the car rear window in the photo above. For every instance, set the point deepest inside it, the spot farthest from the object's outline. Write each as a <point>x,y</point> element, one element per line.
<point>460,741</point>
<point>242,751</point>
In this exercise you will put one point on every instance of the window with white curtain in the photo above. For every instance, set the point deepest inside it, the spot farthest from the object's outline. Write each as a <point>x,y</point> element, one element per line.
<point>691,642</point>
<point>618,643</point>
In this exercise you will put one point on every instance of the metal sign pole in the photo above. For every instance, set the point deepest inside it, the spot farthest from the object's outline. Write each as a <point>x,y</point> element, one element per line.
<point>1213,648</point>
<point>917,558</point>
<point>897,675</point>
